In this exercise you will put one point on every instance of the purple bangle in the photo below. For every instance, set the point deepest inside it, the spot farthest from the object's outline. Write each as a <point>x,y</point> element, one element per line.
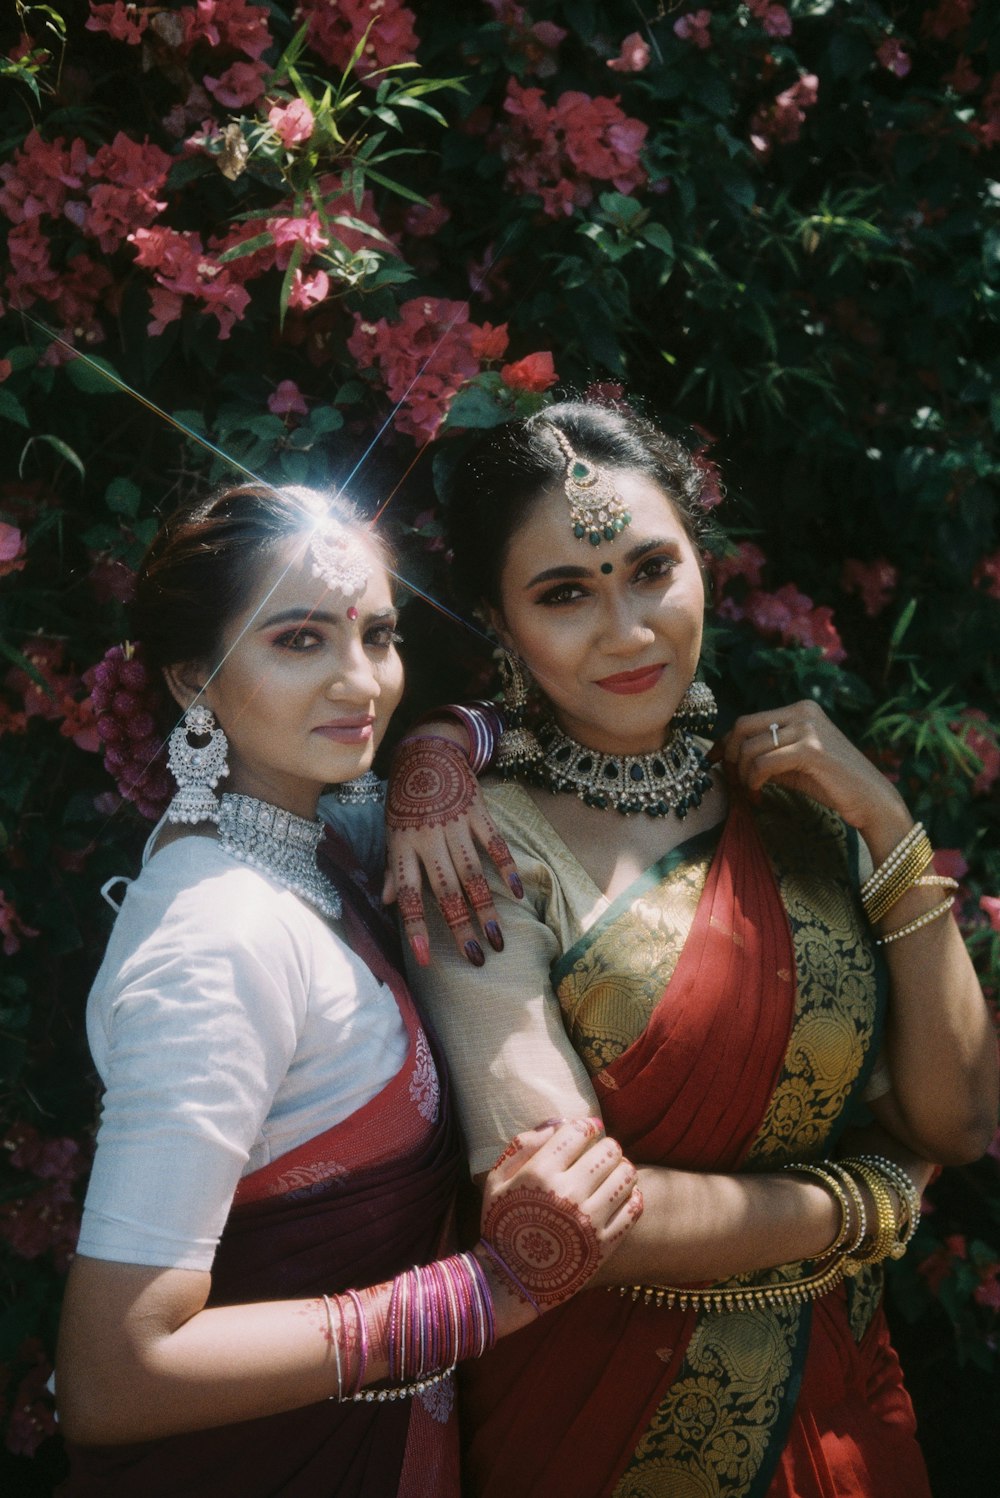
<point>483,723</point>
<point>509,1274</point>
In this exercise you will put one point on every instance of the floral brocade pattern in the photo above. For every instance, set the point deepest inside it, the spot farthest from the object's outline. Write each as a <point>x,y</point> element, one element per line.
<point>709,1435</point>
<point>836,989</point>
<point>715,1430</point>
<point>612,987</point>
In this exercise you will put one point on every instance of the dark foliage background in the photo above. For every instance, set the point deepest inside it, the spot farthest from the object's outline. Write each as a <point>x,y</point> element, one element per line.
<point>330,241</point>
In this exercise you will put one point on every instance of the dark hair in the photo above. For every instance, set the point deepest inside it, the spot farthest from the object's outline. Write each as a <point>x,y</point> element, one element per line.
<point>202,567</point>
<point>510,467</point>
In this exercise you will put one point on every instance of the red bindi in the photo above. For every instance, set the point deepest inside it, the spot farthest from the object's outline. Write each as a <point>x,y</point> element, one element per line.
<point>352,613</point>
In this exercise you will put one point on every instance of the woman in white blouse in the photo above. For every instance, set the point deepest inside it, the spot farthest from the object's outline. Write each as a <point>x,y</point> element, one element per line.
<point>276,1149</point>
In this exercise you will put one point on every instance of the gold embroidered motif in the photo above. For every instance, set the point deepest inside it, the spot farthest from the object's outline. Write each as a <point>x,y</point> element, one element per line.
<point>613,987</point>
<point>710,1433</point>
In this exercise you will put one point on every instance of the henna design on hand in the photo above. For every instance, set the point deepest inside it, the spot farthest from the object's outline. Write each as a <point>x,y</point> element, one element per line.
<point>454,909</point>
<point>547,1243</point>
<point>478,892</point>
<point>431,785</point>
<point>409,903</point>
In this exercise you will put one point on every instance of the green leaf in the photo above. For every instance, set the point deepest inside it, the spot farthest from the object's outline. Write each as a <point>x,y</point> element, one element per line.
<point>479,408</point>
<point>123,497</point>
<point>659,237</point>
<point>288,280</point>
<point>247,247</point>
<point>58,445</point>
<point>12,410</point>
<point>93,375</point>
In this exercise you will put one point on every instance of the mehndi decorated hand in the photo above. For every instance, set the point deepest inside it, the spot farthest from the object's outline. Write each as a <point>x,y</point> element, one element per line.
<point>435,816</point>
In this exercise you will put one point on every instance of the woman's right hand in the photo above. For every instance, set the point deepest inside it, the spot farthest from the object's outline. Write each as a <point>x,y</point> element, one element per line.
<point>555,1206</point>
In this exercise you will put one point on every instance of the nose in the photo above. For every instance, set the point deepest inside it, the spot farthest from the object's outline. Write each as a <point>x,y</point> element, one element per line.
<point>625,631</point>
<point>355,679</point>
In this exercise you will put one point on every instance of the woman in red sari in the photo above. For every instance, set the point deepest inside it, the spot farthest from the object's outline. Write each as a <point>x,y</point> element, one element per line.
<point>276,1150</point>
<point>725,953</point>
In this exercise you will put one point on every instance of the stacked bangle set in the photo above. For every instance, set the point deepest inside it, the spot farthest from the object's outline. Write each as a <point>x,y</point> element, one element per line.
<point>438,1314</point>
<point>897,1212</point>
<point>901,871</point>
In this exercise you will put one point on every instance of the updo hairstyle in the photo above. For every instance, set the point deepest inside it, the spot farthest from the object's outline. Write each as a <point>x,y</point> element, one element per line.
<point>204,566</point>
<point>510,467</point>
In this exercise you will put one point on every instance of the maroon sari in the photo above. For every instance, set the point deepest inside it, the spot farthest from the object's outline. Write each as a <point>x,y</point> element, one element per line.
<point>354,1206</point>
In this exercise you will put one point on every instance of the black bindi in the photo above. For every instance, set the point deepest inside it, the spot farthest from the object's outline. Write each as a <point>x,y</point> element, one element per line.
<point>606,567</point>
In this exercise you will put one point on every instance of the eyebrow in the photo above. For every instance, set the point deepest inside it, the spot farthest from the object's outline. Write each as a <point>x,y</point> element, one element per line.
<point>318,616</point>
<point>554,574</point>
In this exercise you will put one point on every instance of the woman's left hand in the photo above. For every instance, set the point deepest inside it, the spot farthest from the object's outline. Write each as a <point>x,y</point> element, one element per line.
<point>798,747</point>
<point>435,816</point>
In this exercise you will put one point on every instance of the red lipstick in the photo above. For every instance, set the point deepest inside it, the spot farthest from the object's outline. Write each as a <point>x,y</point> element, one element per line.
<point>627,683</point>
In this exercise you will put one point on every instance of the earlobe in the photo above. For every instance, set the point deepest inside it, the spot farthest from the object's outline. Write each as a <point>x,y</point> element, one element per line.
<point>185,682</point>
<point>498,625</point>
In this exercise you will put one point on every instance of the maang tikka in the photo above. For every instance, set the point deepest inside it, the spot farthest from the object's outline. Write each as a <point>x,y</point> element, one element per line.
<point>596,509</point>
<point>338,557</point>
<point>197,768</point>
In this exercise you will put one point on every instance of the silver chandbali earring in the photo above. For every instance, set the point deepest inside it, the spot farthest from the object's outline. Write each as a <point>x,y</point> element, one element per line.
<point>697,710</point>
<point>518,748</point>
<point>197,767</point>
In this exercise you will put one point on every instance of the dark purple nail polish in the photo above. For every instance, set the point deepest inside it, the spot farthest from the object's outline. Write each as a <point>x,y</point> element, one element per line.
<point>475,954</point>
<point>514,880</point>
<point>494,936</point>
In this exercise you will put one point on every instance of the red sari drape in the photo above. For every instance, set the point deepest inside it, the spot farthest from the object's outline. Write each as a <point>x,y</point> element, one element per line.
<point>605,1396</point>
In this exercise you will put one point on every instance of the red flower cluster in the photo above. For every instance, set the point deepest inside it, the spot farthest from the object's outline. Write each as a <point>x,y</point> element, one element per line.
<point>125,700</point>
<point>59,700</point>
<point>424,358</point>
<point>695,27</point>
<point>781,123</point>
<point>105,197</point>
<point>559,152</point>
<point>875,582</point>
<point>789,616</point>
<point>45,1220</point>
<point>336,30</point>
<point>774,19</point>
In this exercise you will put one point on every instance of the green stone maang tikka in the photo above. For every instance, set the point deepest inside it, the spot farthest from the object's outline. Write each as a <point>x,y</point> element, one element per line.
<point>595,507</point>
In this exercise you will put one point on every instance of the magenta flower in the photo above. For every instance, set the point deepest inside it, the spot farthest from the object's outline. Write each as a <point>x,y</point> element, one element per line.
<point>694,27</point>
<point>893,56</point>
<point>287,400</point>
<point>875,582</point>
<point>990,905</point>
<point>12,549</point>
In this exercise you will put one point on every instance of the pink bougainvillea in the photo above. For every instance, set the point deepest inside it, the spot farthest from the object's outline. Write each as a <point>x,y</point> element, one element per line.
<point>423,359</point>
<point>287,400</point>
<point>13,547</point>
<point>875,582</point>
<point>774,19</point>
<point>633,56</point>
<point>791,617</point>
<point>293,123</point>
<point>893,56</point>
<point>781,123</point>
<point>535,42</point>
<point>695,27</point>
<point>560,152</point>
<point>12,929</point>
<point>336,30</point>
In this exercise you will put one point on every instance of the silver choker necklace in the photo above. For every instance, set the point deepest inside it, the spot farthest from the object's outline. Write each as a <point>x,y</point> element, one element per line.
<point>671,779</point>
<point>280,844</point>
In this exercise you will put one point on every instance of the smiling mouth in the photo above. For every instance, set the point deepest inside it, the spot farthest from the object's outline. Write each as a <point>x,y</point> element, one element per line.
<point>627,682</point>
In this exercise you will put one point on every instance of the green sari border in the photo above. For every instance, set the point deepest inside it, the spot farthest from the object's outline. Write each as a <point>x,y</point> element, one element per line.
<point>855,1111</point>
<point>790,1398</point>
<point>693,847</point>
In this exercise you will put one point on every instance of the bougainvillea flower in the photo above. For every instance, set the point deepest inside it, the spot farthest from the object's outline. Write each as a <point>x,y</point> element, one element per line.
<point>12,549</point>
<point>633,57</point>
<point>534,372</point>
<point>287,400</point>
<point>292,123</point>
<point>875,582</point>
<point>990,905</point>
<point>695,27</point>
<point>893,56</point>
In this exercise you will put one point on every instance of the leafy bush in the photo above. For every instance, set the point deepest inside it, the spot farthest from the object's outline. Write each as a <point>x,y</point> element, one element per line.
<point>254,237</point>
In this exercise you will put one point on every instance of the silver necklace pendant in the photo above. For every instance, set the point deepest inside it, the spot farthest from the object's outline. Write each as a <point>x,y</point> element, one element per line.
<point>280,844</point>
<point>671,779</point>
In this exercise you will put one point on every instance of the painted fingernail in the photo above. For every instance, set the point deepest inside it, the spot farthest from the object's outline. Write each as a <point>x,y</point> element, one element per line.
<point>475,954</point>
<point>514,880</point>
<point>421,950</point>
<point>494,935</point>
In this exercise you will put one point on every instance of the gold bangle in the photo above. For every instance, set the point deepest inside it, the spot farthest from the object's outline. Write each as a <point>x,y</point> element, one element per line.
<point>885,1227</point>
<point>911,926</point>
<point>821,1173</point>
<point>909,1200</point>
<point>880,900</point>
<point>854,1192</point>
<point>890,862</point>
